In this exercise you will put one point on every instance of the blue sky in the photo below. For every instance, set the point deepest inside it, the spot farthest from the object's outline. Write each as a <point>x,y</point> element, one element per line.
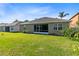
<point>22,11</point>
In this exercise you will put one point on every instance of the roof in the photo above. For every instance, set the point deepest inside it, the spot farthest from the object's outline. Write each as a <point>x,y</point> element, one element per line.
<point>42,20</point>
<point>74,15</point>
<point>10,24</point>
<point>15,23</point>
<point>4,24</point>
<point>45,20</point>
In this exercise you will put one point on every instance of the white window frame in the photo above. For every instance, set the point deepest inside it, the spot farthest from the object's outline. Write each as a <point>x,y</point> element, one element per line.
<point>57,26</point>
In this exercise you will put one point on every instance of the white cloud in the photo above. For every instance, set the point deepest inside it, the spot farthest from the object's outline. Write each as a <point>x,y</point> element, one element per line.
<point>20,13</point>
<point>37,10</point>
<point>28,13</point>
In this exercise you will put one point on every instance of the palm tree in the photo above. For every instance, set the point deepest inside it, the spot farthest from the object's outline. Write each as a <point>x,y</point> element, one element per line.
<point>62,14</point>
<point>26,20</point>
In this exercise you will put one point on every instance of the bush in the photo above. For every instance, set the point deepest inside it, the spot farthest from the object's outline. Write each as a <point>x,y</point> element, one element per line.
<point>66,32</point>
<point>76,36</point>
<point>71,33</point>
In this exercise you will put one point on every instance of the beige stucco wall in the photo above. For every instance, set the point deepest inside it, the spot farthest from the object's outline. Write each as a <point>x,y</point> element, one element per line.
<point>52,31</point>
<point>27,28</point>
<point>2,28</point>
<point>16,28</point>
<point>73,21</point>
<point>30,28</point>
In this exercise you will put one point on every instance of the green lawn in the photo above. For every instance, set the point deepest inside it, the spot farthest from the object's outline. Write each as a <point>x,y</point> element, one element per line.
<point>17,44</point>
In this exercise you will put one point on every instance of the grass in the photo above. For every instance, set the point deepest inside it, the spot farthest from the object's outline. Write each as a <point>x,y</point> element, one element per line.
<point>20,44</point>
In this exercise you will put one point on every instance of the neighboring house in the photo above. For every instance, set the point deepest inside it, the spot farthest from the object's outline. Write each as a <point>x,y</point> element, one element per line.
<point>10,27</point>
<point>73,21</point>
<point>15,26</point>
<point>45,25</point>
<point>4,27</point>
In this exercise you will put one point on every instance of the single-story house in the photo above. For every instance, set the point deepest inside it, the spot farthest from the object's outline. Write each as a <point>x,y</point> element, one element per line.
<point>4,27</point>
<point>15,26</point>
<point>10,27</point>
<point>45,25</point>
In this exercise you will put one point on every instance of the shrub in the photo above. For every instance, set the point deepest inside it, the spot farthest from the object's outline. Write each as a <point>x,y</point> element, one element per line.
<point>76,36</point>
<point>66,32</point>
<point>71,33</point>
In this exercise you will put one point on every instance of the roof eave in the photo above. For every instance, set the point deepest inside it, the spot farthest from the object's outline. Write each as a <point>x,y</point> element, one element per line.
<point>74,15</point>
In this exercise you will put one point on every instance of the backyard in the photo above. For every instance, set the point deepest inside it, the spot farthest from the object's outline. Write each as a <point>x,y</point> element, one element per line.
<point>20,44</point>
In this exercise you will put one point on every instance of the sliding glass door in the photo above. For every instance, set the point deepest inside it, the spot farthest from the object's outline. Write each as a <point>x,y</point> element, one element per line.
<point>41,28</point>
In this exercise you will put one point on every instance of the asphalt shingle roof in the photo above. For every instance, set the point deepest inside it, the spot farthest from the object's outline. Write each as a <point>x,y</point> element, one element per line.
<point>45,20</point>
<point>4,24</point>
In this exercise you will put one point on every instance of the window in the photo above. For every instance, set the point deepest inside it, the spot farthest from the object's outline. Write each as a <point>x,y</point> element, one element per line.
<point>24,27</point>
<point>12,28</point>
<point>55,27</point>
<point>59,26</point>
<point>41,27</point>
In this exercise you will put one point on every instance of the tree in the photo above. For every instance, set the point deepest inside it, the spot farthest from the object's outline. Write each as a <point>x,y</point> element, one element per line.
<point>26,21</point>
<point>15,21</point>
<point>62,14</point>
